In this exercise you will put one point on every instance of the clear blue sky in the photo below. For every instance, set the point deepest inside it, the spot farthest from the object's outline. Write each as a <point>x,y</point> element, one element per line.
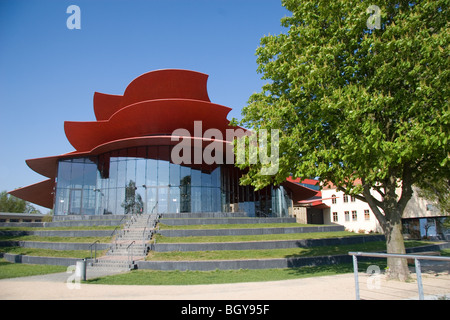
<point>48,73</point>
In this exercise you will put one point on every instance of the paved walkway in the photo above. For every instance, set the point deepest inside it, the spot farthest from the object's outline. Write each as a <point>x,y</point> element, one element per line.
<point>338,287</point>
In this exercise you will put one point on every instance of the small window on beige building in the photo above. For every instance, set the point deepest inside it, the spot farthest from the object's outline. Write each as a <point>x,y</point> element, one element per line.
<point>335,217</point>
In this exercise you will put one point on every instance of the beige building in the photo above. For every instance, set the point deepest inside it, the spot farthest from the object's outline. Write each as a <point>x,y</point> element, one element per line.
<point>348,211</point>
<point>330,206</point>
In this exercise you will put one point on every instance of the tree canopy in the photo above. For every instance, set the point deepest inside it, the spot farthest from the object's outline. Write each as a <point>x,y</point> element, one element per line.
<point>12,204</point>
<point>354,103</point>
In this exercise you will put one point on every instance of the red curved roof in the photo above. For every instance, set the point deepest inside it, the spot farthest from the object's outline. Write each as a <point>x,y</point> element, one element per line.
<point>105,105</point>
<point>147,118</point>
<point>152,107</point>
<point>40,193</point>
<point>166,84</point>
<point>154,85</point>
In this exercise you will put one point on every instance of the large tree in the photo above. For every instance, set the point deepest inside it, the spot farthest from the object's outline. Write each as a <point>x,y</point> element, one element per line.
<point>359,92</point>
<point>9,203</point>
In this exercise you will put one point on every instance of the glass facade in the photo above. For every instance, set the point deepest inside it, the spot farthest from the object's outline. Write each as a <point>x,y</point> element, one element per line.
<point>143,180</point>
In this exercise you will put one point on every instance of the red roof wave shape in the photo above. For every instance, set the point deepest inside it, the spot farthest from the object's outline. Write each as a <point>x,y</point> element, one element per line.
<point>152,107</point>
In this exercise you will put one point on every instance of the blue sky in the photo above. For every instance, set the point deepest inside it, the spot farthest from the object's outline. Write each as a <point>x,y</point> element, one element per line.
<point>48,73</point>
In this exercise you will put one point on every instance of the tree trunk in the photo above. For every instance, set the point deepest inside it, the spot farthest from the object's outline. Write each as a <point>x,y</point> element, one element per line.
<point>397,267</point>
<point>390,220</point>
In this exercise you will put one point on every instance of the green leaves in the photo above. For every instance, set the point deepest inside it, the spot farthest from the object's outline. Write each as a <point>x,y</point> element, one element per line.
<point>9,203</point>
<point>352,102</point>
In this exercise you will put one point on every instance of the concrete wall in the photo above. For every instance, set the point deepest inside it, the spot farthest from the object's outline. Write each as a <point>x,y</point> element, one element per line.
<point>264,245</point>
<point>194,221</point>
<point>53,245</point>
<point>300,215</point>
<point>18,258</point>
<point>252,231</point>
<point>419,207</point>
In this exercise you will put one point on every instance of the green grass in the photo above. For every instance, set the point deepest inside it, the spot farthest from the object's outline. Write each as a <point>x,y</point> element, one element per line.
<point>57,228</point>
<point>259,237</point>
<point>272,253</point>
<point>56,239</point>
<point>79,254</point>
<point>14,270</point>
<point>151,277</point>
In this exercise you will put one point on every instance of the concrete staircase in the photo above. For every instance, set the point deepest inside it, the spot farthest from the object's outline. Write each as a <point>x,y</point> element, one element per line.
<point>129,245</point>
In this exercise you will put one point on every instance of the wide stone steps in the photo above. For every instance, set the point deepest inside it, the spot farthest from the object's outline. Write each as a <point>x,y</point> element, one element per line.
<point>265,245</point>
<point>135,234</point>
<point>129,245</point>
<point>254,227</point>
<point>124,251</point>
<point>113,263</point>
<point>247,231</point>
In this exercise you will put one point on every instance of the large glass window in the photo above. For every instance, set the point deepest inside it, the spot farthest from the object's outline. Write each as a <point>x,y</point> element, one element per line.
<point>135,180</point>
<point>76,187</point>
<point>143,180</point>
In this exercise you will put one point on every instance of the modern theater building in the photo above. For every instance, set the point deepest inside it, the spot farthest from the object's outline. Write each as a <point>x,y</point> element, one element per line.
<point>123,162</point>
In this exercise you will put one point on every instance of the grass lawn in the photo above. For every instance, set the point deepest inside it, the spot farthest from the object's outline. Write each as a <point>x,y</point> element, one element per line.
<point>273,253</point>
<point>56,239</point>
<point>151,277</point>
<point>258,237</point>
<point>79,254</point>
<point>57,228</point>
<point>14,270</point>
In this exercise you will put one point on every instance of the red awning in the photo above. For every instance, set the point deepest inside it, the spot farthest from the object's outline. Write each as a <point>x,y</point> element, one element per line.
<point>41,193</point>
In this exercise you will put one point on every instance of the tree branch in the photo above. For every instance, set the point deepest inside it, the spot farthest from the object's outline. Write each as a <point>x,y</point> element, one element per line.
<point>407,190</point>
<point>375,206</point>
<point>378,189</point>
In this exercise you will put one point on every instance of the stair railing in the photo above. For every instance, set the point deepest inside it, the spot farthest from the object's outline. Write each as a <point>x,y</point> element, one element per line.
<point>94,244</point>
<point>130,253</point>
<point>143,236</point>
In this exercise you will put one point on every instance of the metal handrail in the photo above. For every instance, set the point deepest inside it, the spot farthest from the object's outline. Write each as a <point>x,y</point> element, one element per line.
<point>143,235</point>
<point>416,258</point>
<point>395,255</point>
<point>115,230</point>
<point>130,254</point>
<point>115,239</point>
<point>95,248</point>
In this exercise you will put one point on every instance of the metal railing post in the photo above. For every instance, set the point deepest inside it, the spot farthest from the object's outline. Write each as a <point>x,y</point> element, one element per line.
<point>355,272</point>
<point>419,278</point>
